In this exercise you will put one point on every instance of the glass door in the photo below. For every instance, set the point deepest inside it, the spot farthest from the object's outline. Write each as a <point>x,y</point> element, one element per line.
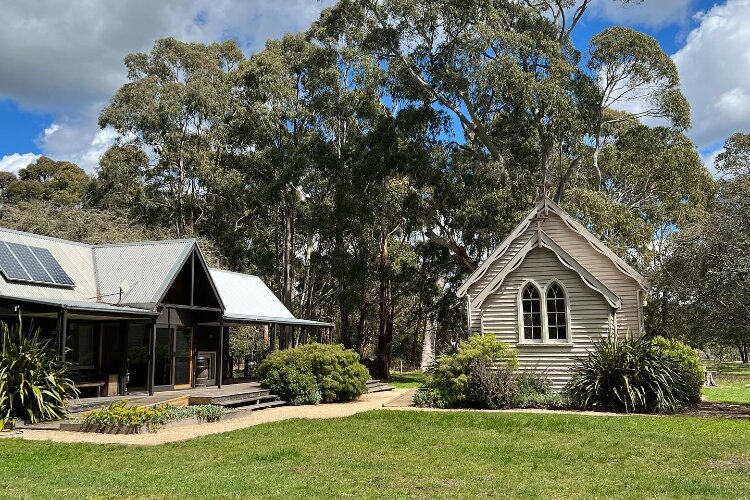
<point>163,365</point>
<point>137,356</point>
<point>183,359</point>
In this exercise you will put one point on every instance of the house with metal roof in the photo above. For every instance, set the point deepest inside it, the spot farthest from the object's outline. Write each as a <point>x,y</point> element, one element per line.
<point>130,317</point>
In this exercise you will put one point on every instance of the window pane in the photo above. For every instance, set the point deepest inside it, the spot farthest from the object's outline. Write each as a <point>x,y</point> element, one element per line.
<point>556,320</point>
<point>531,303</point>
<point>81,342</point>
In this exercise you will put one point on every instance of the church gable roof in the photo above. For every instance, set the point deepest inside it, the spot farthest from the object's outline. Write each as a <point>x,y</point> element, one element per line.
<point>542,210</point>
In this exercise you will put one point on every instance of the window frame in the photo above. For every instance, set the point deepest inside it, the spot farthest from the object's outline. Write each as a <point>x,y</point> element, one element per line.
<point>521,323</point>
<point>543,289</point>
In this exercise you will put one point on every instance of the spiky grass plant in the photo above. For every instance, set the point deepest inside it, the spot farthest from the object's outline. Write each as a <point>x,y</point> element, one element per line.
<point>629,375</point>
<point>33,381</point>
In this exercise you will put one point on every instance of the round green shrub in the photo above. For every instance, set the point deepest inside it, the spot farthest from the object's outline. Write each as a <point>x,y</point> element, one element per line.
<point>293,386</point>
<point>451,377</point>
<point>337,371</point>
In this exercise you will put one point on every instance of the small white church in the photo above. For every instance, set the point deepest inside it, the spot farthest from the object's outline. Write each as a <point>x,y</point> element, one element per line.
<point>550,289</point>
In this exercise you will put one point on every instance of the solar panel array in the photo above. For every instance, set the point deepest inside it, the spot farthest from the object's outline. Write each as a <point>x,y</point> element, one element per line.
<point>31,264</point>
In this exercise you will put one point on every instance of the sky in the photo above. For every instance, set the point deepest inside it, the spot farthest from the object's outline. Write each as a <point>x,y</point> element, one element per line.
<point>61,62</point>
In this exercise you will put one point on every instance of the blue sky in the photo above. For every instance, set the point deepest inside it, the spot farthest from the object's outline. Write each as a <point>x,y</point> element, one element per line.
<point>62,61</point>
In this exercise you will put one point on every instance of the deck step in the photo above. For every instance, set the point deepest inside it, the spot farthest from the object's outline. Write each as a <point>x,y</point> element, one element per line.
<point>236,399</point>
<point>377,386</point>
<point>231,399</point>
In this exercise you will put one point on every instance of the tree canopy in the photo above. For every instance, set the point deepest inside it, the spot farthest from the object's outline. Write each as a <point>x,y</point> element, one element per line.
<point>365,166</point>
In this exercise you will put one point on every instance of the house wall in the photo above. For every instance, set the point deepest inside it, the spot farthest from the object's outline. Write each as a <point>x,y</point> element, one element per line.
<point>590,316</point>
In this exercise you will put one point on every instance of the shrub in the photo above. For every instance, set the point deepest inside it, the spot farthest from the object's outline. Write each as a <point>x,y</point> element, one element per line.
<point>338,373</point>
<point>490,387</point>
<point>121,414</point>
<point>428,398</point>
<point>33,381</point>
<point>687,361</point>
<point>533,382</point>
<point>628,375</point>
<point>451,377</point>
<point>294,386</point>
<point>541,400</point>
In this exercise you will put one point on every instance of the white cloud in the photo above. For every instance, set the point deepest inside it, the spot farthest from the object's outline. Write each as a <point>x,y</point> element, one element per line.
<point>66,58</point>
<point>16,161</point>
<point>713,67</point>
<point>652,14</point>
<point>708,156</point>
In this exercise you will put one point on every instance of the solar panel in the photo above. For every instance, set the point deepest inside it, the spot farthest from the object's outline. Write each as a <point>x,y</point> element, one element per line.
<point>53,267</point>
<point>10,266</point>
<point>30,263</point>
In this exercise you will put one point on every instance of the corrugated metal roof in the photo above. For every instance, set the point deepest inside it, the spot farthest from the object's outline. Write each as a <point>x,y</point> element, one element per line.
<point>79,305</point>
<point>247,299</point>
<point>148,267</point>
<point>247,295</point>
<point>230,319</point>
<point>75,258</point>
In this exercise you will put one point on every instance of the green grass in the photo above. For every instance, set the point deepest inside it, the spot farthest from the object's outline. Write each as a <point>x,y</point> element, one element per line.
<point>398,454</point>
<point>407,380</point>
<point>731,379</point>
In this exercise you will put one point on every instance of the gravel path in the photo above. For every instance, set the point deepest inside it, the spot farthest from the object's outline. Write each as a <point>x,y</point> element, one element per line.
<point>365,403</point>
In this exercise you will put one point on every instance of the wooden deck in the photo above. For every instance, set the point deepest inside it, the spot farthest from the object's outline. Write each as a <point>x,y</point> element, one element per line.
<point>247,393</point>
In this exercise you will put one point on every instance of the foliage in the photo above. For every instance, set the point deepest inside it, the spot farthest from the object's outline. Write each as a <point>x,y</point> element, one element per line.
<point>686,360</point>
<point>58,182</point>
<point>542,400</point>
<point>451,377</point>
<point>293,385</point>
<point>632,376</point>
<point>385,151</point>
<point>704,277</point>
<point>491,388</point>
<point>338,373</point>
<point>119,413</point>
<point>33,382</point>
<point>429,398</point>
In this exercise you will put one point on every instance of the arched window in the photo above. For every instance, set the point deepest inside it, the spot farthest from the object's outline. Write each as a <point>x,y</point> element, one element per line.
<point>532,312</point>
<point>557,325</point>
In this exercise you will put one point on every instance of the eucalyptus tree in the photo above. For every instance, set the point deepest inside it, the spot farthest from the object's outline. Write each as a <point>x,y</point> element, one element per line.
<point>58,182</point>
<point>705,276</point>
<point>634,74</point>
<point>177,107</point>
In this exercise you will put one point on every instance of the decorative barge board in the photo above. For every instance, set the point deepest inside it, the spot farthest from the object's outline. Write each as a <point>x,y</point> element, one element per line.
<point>551,289</point>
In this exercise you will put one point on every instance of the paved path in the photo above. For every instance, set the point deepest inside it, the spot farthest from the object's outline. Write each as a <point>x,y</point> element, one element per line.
<point>403,400</point>
<point>180,433</point>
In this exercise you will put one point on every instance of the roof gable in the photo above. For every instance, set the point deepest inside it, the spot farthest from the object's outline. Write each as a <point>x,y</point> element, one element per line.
<point>543,207</point>
<point>148,267</point>
<point>543,240</point>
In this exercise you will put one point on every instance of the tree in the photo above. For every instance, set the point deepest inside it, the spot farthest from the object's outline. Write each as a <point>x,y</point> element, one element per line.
<point>178,105</point>
<point>59,182</point>
<point>120,181</point>
<point>632,70</point>
<point>707,274</point>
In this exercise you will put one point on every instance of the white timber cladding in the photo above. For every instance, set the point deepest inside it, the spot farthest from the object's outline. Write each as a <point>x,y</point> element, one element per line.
<point>589,316</point>
<point>603,294</point>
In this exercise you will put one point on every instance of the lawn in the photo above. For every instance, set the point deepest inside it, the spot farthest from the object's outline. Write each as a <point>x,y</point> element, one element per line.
<point>407,380</point>
<point>731,379</point>
<point>396,454</point>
